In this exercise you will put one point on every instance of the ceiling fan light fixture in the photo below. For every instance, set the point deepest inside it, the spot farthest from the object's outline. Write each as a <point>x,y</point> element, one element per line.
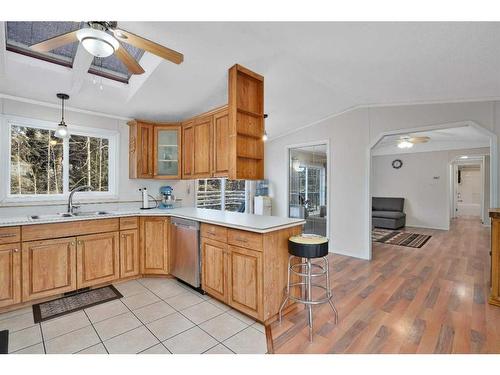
<point>404,143</point>
<point>97,42</point>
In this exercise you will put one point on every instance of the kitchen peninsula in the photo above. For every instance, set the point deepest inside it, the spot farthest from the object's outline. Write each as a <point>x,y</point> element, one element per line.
<point>244,257</point>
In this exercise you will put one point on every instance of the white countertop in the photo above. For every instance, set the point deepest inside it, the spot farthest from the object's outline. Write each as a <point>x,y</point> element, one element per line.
<point>252,223</point>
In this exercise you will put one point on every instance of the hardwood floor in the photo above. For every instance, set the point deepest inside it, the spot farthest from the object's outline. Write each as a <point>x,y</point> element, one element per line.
<point>427,300</point>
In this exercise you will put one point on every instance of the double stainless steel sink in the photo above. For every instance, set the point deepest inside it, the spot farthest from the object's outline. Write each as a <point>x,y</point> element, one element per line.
<point>65,214</point>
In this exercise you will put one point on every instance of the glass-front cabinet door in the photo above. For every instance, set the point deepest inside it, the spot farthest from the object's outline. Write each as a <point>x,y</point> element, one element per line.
<point>168,151</point>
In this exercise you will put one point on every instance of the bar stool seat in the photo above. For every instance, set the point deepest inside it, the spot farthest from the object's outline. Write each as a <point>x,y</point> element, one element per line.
<point>308,247</point>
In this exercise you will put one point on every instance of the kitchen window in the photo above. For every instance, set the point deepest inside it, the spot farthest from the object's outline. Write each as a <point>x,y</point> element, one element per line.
<point>41,166</point>
<point>221,194</point>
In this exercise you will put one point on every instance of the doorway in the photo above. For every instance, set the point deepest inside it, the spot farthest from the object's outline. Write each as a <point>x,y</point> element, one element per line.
<point>468,194</point>
<point>307,186</point>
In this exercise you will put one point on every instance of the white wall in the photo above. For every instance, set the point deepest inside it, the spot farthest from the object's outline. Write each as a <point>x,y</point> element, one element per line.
<point>127,189</point>
<point>422,181</point>
<point>350,135</point>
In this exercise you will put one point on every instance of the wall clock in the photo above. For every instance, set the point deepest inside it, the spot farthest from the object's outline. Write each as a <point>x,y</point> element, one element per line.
<point>397,163</point>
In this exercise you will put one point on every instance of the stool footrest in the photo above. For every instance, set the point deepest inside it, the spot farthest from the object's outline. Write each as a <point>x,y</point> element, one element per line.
<point>311,302</point>
<point>316,274</point>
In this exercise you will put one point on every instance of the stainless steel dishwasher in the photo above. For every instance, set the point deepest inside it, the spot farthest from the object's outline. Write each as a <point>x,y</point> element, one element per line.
<point>185,259</point>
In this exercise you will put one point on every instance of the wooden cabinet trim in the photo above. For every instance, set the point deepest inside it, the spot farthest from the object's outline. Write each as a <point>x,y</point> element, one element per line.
<point>213,272</point>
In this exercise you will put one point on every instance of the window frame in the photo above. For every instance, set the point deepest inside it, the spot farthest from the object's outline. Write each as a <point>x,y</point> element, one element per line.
<point>223,194</point>
<point>113,144</point>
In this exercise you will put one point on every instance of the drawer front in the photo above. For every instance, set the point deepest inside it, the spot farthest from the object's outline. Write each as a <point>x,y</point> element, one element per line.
<point>69,229</point>
<point>10,235</point>
<point>128,223</point>
<point>214,232</point>
<point>244,239</point>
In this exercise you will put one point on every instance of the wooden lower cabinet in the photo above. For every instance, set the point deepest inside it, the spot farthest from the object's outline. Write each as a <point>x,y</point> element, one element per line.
<point>214,269</point>
<point>98,259</point>
<point>245,279</point>
<point>154,245</point>
<point>48,268</point>
<point>129,253</point>
<point>10,274</point>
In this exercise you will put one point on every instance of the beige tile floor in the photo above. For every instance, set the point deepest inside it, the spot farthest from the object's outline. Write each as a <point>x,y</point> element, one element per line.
<point>155,316</point>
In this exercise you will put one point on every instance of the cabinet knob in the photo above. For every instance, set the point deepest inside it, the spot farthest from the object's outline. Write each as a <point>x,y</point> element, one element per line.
<point>16,250</point>
<point>72,244</point>
<point>123,236</point>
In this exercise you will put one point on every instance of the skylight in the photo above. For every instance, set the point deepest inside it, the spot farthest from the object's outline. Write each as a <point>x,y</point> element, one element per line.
<point>21,35</point>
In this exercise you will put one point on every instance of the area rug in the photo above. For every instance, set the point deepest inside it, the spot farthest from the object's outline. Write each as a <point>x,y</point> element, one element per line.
<point>394,237</point>
<point>4,342</point>
<point>68,304</point>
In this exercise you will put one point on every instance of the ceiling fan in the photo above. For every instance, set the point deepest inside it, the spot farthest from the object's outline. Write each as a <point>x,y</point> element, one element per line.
<point>103,38</point>
<point>408,142</point>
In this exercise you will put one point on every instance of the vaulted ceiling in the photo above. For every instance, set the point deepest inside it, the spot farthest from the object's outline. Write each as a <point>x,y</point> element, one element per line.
<point>311,70</point>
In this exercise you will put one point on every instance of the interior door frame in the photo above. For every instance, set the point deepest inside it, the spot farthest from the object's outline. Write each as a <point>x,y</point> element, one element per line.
<point>454,185</point>
<point>493,167</point>
<point>329,190</point>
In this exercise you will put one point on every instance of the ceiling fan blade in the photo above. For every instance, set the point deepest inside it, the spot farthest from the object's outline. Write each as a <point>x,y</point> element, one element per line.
<point>127,59</point>
<point>53,43</point>
<point>148,45</point>
<point>419,139</point>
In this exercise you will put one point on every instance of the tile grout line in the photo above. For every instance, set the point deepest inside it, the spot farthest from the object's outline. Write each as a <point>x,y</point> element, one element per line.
<point>195,325</point>
<point>43,340</point>
<point>198,325</point>
<point>97,333</point>
<point>145,326</point>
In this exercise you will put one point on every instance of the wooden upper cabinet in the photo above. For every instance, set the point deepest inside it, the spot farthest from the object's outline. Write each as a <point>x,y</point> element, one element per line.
<point>202,163</point>
<point>224,142</point>
<point>10,274</point>
<point>98,259</point>
<point>48,268</point>
<point>221,144</point>
<point>167,151</point>
<point>154,245</point>
<point>141,146</point>
<point>246,124</point>
<point>187,149</point>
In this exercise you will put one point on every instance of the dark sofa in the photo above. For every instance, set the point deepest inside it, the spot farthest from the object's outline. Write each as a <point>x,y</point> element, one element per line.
<point>388,213</point>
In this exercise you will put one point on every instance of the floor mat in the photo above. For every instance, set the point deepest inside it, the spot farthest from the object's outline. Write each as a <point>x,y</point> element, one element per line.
<point>68,304</point>
<point>4,342</point>
<point>393,237</point>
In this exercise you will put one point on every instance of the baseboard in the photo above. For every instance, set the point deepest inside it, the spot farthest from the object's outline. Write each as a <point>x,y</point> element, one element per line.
<point>426,227</point>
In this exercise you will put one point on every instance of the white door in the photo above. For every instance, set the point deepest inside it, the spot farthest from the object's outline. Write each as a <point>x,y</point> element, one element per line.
<point>469,192</point>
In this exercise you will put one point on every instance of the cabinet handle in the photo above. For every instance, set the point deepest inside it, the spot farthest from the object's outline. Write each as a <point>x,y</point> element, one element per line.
<point>241,239</point>
<point>123,236</point>
<point>16,250</point>
<point>7,235</point>
<point>72,244</point>
<point>79,242</point>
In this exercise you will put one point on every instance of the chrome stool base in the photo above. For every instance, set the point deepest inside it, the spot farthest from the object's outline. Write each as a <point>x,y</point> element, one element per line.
<point>308,284</point>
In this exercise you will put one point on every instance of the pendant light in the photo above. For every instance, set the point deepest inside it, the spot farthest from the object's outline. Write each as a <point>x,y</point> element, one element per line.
<point>62,128</point>
<point>264,136</point>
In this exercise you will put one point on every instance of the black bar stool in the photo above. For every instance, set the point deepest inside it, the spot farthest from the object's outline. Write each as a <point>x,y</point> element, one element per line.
<point>308,247</point>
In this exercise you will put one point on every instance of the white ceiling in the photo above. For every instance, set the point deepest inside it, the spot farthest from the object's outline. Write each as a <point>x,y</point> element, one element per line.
<point>458,138</point>
<point>312,70</point>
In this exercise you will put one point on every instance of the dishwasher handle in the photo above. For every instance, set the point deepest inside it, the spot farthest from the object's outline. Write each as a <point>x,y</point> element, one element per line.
<point>185,226</point>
